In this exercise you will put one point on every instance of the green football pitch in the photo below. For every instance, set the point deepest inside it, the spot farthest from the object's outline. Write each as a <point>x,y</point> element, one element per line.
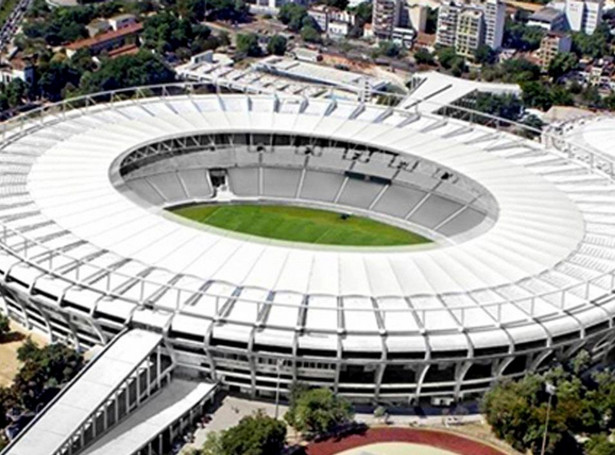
<point>298,224</point>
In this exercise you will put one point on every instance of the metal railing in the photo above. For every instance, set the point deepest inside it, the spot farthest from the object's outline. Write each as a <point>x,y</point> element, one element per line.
<point>18,244</point>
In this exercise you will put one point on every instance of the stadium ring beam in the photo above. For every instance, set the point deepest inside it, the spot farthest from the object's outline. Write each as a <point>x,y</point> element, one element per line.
<point>519,271</point>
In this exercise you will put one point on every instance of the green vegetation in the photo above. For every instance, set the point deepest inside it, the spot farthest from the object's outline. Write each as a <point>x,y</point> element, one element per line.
<point>310,34</point>
<point>314,413</point>
<point>519,36</point>
<point>562,63</point>
<point>164,32</point>
<point>143,68</point>
<point>61,25</point>
<point>514,70</point>
<point>257,434</point>
<point>5,327</point>
<point>448,58</point>
<point>317,412</point>
<point>423,57</point>
<point>277,45</point>
<point>504,106</point>
<point>299,224</point>
<point>596,45</point>
<point>295,17</point>
<point>583,405</point>
<point>388,48</point>
<point>44,368</point>
<point>247,43</point>
<point>42,373</point>
<point>5,10</point>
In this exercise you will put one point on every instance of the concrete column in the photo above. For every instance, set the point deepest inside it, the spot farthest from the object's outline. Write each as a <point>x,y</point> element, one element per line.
<point>117,407</point>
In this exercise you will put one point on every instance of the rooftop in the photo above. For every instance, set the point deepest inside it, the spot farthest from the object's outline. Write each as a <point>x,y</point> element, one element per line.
<point>318,73</point>
<point>104,37</point>
<point>547,14</point>
<point>88,391</point>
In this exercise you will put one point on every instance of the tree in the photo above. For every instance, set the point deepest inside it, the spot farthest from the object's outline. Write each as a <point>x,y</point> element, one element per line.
<point>596,45</point>
<point>44,368</point>
<point>536,95</point>
<point>581,362</point>
<point>484,55</point>
<point>82,61</point>
<point>318,411</point>
<point>583,404</point>
<point>27,351</point>
<point>292,15</point>
<point>212,445</point>
<point>562,63</point>
<point>16,91</point>
<point>277,45</point>
<point>363,13</point>
<point>609,101</point>
<point>504,106</point>
<point>136,70</point>
<point>423,57</point>
<point>339,4</point>
<point>388,48</point>
<point>5,326</point>
<point>519,36</point>
<point>164,32</point>
<point>560,96</point>
<point>258,434</point>
<point>52,77</point>
<point>600,445</point>
<point>247,43</point>
<point>310,34</point>
<point>448,58</point>
<point>520,70</point>
<point>591,96</point>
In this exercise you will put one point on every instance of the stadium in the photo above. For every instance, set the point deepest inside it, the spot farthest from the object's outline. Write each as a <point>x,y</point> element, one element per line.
<point>512,269</point>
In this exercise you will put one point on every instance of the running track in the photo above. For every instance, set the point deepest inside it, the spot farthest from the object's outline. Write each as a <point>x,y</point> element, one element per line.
<point>439,439</point>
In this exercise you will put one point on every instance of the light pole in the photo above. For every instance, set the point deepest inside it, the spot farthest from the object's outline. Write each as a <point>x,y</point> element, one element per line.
<point>277,388</point>
<point>550,388</point>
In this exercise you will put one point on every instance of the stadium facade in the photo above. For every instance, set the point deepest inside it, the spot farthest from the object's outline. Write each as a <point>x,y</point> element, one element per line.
<point>519,273</point>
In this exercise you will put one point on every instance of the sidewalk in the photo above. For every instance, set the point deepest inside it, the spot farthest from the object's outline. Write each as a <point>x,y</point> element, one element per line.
<point>233,409</point>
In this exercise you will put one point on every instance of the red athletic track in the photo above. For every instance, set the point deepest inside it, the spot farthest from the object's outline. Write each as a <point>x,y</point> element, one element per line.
<point>440,439</point>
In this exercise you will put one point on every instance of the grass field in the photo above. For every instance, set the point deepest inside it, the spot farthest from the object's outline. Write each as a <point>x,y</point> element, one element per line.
<point>298,224</point>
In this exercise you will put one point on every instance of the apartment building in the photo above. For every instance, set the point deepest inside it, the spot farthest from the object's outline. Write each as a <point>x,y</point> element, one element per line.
<point>494,16</point>
<point>467,26</point>
<point>550,45</point>
<point>583,15</point>
<point>398,20</point>
<point>334,22</point>
<point>385,17</point>
<point>470,32</point>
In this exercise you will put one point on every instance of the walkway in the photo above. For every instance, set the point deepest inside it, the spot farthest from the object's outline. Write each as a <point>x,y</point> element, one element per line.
<point>137,430</point>
<point>88,392</point>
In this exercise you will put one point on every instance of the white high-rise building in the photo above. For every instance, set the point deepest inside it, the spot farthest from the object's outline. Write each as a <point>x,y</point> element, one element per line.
<point>448,16</point>
<point>583,15</point>
<point>494,15</point>
<point>483,23</point>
